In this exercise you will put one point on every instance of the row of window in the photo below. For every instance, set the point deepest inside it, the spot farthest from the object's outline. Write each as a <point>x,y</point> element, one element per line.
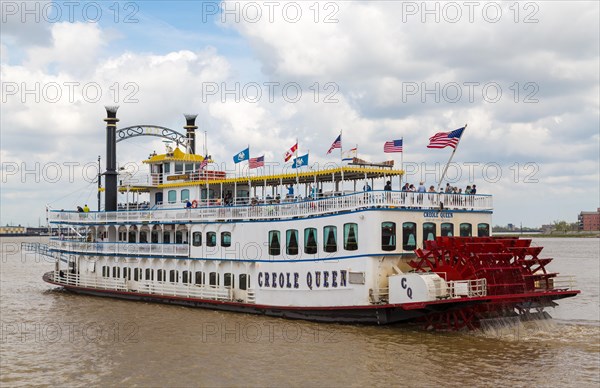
<point>350,237</point>
<point>330,243</point>
<point>179,167</point>
<point>172,195</point>
<point>429,229</point>
<point>187,277</point>
<point>131,237</point>
<point>211,239</point>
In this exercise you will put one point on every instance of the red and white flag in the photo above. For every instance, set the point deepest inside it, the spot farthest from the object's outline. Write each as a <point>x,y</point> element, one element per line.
<point>289,153</point>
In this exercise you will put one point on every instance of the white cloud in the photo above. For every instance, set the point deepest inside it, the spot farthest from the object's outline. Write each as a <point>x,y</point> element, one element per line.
<point>370,55</point>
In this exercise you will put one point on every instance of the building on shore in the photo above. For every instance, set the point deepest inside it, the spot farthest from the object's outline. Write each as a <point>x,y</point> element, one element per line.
<point>589,221</point>
<point>12,230</point>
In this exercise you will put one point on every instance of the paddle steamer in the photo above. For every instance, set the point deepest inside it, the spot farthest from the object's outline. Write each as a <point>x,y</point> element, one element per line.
<point>331,252</point>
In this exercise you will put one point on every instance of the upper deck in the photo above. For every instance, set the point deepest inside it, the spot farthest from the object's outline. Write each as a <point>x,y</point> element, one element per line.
<point>271,210</point>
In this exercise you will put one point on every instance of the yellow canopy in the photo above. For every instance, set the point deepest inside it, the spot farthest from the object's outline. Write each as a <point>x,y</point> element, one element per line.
<point>176,155</point>
<point>328,175</point>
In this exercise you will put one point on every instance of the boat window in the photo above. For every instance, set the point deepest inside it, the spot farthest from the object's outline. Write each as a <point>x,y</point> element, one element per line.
<point>186,277</point>
<point>483,230</point>
<point>161,275</point>
<point>127,273</point>
<point>447,229</point>
<point>185,195</point>
<point>189,167</point>
<point>178,237</point>
<point>409,236</point>
<point>291,242</point>
<point>213,279</point>
<point>167,168</point>
<point>388,236</point>
<point>197,239</point>
<point>229,280</point>
<point>105,271</point>
<point>350,236</point>
<point>274,243</point>
<point>199,278</point>
<point>149,274</point>
<point>131,236</point>
<point>173,276</point>
<point>143,237</point>
<point>166,237</point>
<point>211,239</point>
<point>330,238</point>
<point>137,274</point>
<point>466,230</point>
<point>428,232</point>
<point>178,168</point>
<point>310,241</point>
<point>172,196</point>
<point>225,239</point>
<point>116,272</point>
<point>244,281</point>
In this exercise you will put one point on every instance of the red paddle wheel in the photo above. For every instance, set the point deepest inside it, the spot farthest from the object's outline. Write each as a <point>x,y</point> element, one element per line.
<point>511,267</point>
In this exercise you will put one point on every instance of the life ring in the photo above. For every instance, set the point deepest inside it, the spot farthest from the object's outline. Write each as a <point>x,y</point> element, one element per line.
<point>194,203</point>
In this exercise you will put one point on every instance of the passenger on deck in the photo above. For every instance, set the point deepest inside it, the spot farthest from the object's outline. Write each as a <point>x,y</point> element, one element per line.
<point>188,204</point>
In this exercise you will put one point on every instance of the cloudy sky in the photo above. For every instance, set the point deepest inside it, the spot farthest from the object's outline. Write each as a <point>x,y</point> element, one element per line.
<point>523,76</point>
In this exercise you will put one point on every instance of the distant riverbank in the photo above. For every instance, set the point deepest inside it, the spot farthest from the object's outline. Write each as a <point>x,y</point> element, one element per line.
<point>566,235</point>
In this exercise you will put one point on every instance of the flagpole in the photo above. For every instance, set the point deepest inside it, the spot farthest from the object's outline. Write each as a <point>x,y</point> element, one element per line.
<point>402,162</point>
<point>450,160</point>
<point>296,160</point>
<point>341,161</point>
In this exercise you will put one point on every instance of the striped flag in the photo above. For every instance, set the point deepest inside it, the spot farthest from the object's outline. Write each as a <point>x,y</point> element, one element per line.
<point>257,162</point>
<point>336,144</point>
<point>445,139</point>
<point>289,153</point>
<point>350,154</point>
<point>204,163</point>
<point>393,146</point>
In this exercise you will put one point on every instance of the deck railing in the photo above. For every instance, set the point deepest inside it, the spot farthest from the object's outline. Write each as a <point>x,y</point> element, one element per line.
<point>291,209</point>
<point>187,290</point>
<point>112,248</point>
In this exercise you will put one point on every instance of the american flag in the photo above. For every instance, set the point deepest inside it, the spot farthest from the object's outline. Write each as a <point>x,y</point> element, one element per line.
<point>336,144</point>
<point>393,146</point>
<point>289,153</point>
<point>257,162</point>
<point>204,163</point>
<point>445,139</point>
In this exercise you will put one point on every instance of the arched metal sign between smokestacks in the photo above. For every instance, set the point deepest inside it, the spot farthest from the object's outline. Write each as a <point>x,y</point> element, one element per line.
<point>152,130</point>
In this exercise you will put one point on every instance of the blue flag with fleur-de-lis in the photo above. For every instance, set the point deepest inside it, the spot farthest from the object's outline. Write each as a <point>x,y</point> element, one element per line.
<point>242,155</point>
<point>300,161</point>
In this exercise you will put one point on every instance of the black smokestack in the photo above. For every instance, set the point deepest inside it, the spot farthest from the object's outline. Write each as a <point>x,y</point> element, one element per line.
<point>191,127</point>
<point>110,195</point>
